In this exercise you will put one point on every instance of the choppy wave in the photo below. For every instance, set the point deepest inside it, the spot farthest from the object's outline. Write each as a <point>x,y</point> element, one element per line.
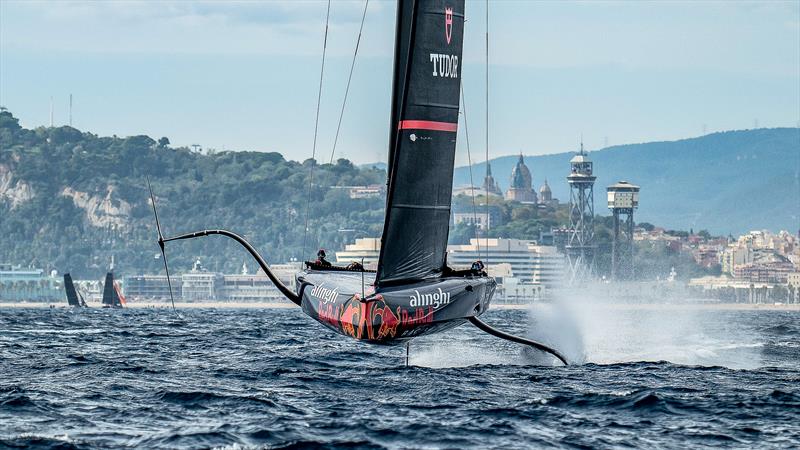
<point>274,378</point>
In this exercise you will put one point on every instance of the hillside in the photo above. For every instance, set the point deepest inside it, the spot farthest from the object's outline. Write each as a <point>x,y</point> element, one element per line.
<point>69,200</point>
<point>729,182</point>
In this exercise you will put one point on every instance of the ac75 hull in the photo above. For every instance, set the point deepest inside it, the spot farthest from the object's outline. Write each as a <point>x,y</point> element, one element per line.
<point>391,315</point>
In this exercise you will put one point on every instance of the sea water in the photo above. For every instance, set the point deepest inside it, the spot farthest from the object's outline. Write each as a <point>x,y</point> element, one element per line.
<point>274,378</point>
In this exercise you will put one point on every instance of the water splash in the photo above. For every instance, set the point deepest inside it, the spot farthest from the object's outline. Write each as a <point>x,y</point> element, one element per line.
<point>590,324</point>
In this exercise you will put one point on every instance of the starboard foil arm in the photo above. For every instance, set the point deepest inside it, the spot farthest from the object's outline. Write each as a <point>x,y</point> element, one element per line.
<point>288,293</point>
<point>483,326</point>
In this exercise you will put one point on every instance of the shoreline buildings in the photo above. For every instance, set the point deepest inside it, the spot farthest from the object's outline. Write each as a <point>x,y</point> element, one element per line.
<point>201,285</point>
<point>29,284</point>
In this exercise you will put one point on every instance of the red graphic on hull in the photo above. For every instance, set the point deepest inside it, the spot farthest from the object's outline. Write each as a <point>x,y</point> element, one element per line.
<point>371,319</point>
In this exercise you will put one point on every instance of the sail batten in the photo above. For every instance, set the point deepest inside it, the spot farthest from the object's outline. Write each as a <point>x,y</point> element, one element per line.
<point>425,102</point>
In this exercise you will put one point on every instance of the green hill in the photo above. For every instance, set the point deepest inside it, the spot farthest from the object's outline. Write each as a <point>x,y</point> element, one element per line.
<point>729,182</point>
<point>69,200</point>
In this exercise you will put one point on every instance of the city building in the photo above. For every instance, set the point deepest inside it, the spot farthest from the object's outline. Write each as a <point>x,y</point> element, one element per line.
<point>521,189</point>
<point>484,218</point>
<point>199,284</point>
<point>761,248</point>
<point>152,287</point>
<point>371,191</point>
<point>368,249</point>
<point>771,268</point>
<point>208,286</point>
<point>23,285</point>
<point>529,263</point>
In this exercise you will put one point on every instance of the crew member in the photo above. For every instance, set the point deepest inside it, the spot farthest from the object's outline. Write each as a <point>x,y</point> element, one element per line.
<point>477,268</point>
<point>356,266</point>
<point>321,261</point>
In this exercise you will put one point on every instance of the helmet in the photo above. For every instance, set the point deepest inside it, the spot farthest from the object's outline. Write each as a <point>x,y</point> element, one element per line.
<point>321,253</point>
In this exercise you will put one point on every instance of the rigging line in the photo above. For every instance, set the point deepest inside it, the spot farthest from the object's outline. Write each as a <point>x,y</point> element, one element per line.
<point>487,135</point>
<point>316,128</point>
<point>349,78</point>
<point>469,163</point>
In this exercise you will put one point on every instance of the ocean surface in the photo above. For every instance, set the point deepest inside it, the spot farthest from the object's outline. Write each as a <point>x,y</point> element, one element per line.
<point>274,378</point>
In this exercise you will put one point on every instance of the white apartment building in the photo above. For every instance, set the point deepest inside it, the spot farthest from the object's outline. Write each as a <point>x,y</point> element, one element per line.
<point>367,248</point>
<point>530,263</point>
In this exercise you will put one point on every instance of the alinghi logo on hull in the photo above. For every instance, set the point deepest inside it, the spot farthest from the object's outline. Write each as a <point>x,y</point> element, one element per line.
<point>434,299</point>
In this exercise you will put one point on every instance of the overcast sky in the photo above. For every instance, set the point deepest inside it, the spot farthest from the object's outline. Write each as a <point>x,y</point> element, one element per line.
<point>243,75</point>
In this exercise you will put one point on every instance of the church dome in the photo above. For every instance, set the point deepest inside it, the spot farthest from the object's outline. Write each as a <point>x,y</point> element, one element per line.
<point>545,193</point>
<point>520,175</point>
<point>545,189</point>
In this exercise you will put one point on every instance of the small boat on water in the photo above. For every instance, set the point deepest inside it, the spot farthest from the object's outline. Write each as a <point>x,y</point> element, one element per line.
<point>413,292</point>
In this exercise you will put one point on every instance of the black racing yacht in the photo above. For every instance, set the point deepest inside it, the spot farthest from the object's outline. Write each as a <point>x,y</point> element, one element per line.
<point>413,292</point>
<point>112,297</point>
<point>74,298</point>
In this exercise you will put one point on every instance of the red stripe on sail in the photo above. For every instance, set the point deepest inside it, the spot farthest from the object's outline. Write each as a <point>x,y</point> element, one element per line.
<point>427,125</point>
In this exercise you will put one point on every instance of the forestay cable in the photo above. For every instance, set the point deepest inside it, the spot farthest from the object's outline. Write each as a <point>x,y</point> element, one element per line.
<point>486,263</point>
<point>469,164</point>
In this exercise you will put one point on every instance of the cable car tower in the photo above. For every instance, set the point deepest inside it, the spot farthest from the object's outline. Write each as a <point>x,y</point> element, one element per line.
<point>623,198</point>
<point>580,246</point>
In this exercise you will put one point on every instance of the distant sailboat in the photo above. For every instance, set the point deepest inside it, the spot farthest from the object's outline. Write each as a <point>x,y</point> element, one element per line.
<point>414,292</point>
<point>112,297</point>
<point>74,298</point>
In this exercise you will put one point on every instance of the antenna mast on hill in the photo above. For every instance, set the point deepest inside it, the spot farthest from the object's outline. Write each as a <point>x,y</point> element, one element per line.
<point>70,109</point>
<point>51,111</point>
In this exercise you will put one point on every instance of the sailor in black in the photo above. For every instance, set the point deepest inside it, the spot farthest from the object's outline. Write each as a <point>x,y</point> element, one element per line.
<point>321,261</point>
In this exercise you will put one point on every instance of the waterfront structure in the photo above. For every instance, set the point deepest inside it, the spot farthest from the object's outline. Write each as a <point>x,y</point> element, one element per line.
<point>368,249</point>
<point>23,285</point>
<point>199,284</point>
<point>529,263</point>
<point>152,287</point>
<point>521,189</point>
<point>623,199</point>
<point>580,246</point>
<point>209,286</point>
<point>730,289</point>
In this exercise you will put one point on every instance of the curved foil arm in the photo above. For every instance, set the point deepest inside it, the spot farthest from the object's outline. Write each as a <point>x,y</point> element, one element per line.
<point>510,337</point>
<point>292,296</point>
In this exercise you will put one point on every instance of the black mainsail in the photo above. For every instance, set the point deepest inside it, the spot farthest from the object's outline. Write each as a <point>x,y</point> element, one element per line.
<point>425,102</point>
<point>110,296</point>
<point>72,294</point>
